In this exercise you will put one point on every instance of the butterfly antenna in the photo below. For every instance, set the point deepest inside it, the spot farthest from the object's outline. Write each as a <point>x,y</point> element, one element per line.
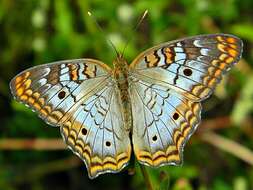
<point>135,28</point>
<point>101,30</point>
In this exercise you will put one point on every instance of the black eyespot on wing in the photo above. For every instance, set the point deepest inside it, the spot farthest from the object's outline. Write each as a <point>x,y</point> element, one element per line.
<point>175,116</point>
<point>84,131</point>
<point>187,72</point>
<point>154,138</point>
<point>62,94</point>
<point>107,143</point>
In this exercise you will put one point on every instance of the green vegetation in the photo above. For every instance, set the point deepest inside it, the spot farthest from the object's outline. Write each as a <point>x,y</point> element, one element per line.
<point>32,32</point>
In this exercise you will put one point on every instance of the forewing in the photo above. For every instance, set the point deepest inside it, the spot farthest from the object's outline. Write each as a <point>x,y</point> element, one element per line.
<point>54,89</point>
<point>162,123</point>
<point>191,66</point>
<point>78,95</point>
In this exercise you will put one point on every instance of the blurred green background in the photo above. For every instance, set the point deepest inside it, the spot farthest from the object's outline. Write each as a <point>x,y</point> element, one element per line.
<point>32,32</point>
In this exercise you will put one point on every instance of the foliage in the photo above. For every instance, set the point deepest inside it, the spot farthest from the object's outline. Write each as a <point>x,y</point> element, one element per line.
<point>39,31</point>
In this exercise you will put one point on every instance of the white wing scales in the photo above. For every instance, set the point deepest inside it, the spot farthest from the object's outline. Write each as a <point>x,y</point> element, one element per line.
<point>161,121</point>
<point>191,66</point>
<point>96,131</point>
<point>167,84</point>
<point>81,98</point>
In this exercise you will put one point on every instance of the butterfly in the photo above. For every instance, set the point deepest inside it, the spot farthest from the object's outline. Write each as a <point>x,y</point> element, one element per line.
<point>150,107</point>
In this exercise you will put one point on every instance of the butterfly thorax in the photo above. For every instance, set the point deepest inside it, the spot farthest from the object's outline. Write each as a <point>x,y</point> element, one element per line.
<point>120,74</point>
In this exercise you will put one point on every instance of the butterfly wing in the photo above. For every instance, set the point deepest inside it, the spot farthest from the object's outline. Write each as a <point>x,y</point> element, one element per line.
<point>48,89</point>
<point>167,84</point>
<point>80,97</point>
<point>191,66</point>
<point>162,122</point>
<point>96,133</point>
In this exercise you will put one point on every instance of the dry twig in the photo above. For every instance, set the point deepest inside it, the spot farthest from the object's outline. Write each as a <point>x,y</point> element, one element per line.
<point>229,146</point>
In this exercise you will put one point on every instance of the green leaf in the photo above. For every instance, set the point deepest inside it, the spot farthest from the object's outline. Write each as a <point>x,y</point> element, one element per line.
<point>244,104</point>
<point>243,30</point>
<point>240,183</point>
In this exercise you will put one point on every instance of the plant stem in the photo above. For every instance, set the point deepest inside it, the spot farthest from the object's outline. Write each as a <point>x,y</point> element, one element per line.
<point>146,177</point>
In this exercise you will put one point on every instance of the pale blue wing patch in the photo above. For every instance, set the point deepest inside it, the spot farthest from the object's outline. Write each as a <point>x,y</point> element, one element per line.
<point>191,66</point>
<point>80,97</point>
<point>163,121</point>
<point>95,131</point>
<point>51,89</point>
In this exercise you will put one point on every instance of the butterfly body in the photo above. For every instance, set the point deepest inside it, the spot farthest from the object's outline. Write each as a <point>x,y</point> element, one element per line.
<point>157,98</point>
<point>120,74</point>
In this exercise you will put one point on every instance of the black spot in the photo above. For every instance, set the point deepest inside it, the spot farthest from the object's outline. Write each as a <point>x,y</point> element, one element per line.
<point>84,131</point>
<point>175,116</point>
<point>187,72</point>
<point>107,143</point>
<point>154,138</point>
<point>61,94</point>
